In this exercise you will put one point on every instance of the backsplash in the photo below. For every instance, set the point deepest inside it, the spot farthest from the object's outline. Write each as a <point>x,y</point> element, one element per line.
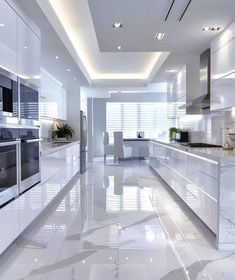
<point>204,128</point>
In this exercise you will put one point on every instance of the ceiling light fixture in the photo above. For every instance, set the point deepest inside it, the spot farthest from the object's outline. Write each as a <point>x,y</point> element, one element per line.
<point>2,25</point>
<point>117,24</point>
<point>75,78</point>
<point>25,47</point>
<point>57,57</point>
<point>119,48</point>
<point>212,28</point>
<point>159,36</point>
<point>171,70</point>
<point>68,70</point>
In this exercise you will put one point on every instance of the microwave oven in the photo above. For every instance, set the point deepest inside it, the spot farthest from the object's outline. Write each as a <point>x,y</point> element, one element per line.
<point>181,136</point>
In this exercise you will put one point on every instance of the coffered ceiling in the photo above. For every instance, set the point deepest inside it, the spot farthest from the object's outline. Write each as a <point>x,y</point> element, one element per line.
<point>88,26</point>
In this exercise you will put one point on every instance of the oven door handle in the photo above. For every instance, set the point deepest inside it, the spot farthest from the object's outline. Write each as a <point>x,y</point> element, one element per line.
<point>10,143</point>
<point>33,140</point>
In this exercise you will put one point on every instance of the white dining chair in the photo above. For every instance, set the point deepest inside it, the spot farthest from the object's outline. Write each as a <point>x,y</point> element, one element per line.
<point>108,148</point>
<point>120,150</point>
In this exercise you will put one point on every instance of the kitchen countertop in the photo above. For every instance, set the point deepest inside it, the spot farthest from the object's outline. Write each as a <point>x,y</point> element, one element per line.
<point>55,146</point>
<point>211,153</point>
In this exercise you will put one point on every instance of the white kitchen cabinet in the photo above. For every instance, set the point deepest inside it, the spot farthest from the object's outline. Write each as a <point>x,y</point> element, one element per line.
<point>194,179</point>
<point>140,148</point>
<point>223,93</point>
<point>8,38</point>
<point>58,158</point>
<point>29,53</point>
<point>53,97</point>
<point>223,70</point>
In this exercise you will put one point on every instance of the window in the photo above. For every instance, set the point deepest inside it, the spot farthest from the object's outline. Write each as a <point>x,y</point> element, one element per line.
<point>131,117</point>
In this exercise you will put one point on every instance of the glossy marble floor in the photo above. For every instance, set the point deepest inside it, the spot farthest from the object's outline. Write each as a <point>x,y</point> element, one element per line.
<point>117,222</point>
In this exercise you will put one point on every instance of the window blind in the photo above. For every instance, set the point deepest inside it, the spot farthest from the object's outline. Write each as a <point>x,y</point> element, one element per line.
<point>130,117</point>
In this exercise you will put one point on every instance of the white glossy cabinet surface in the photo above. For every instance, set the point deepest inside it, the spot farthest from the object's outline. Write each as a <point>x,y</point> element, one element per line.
<point>29,53</point>
<point>223,93</point>
<point>139,148</point>
<point>193,179</point>
<point>223,70</point>
<point>53,98</point>
<point>53,163</point>
<point>8,38</point>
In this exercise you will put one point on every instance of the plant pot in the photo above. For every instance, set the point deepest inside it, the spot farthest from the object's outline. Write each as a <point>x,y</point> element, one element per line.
<point>61,139</point>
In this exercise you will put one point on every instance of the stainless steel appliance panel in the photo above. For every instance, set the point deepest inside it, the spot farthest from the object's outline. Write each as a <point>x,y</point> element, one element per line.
<point>9,155</point>
<point>83,142</point>
<point>30,158</point>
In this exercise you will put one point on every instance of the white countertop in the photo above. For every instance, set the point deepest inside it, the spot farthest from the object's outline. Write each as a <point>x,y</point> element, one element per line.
<point>54,146</point>
<point>211,153</point>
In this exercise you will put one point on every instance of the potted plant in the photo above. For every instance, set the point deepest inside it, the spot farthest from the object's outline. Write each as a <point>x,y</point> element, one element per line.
<point>63,132</point>
<point>171,131</point>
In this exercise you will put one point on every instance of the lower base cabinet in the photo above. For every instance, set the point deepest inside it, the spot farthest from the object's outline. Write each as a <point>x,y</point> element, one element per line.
<point>54,162</point>
<point>194,180</point>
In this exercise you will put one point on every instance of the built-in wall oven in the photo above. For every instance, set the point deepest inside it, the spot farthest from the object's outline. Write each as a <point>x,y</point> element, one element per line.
<point>9,159</point>
<point>29,158</point>
<point>29,103</point>
<point>9,109</point>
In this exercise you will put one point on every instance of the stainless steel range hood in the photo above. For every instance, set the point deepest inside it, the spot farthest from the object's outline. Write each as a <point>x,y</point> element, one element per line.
<point>201,104</point>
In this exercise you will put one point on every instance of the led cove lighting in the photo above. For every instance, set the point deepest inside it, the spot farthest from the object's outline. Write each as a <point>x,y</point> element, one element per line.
<point>64,19</point>
<point>212,28</point>
<point>117,25</point>
<point>159,36</point>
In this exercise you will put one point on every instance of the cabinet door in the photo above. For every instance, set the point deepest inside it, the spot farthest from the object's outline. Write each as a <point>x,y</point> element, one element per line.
<point>222,93</point>
<point>8,38</point>
<point>29,53</point>
<point>223,61</point>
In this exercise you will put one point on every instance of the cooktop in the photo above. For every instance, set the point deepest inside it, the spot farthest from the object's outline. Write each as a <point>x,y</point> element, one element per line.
<point>202,145</point>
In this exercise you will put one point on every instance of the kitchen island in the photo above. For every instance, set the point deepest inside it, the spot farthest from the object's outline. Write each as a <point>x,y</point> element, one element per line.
<point>204,179</point>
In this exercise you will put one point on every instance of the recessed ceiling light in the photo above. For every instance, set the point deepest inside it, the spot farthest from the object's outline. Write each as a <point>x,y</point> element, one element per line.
<point>159,36</point>
<point>211,28</point>
<point>75,78</point>
<point>119,48</point>
<point>117,24</point>
<point>68,70</point>
<point>25,47</point>
<point>2,24</point>
<point>171,70</point>
<point>57,57</point>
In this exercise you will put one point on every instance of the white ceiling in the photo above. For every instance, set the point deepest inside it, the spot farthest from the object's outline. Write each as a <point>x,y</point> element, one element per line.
<point>85,27</point>
<point>52,46</point>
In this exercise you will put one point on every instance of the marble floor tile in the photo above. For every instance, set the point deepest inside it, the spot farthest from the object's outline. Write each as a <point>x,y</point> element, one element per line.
<point>117,222</point>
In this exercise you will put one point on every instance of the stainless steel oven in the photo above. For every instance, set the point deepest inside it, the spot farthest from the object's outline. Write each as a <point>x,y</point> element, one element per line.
<point>29,158</point>
<point>29,103</point>
<point>9,158</point>
<point>9,108</point>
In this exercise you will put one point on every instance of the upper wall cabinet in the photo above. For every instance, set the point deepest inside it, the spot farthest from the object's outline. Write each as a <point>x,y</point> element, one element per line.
<point>8,38</point>
<point>53,97</point>
<point>223,70</point>
<point>29,53</point>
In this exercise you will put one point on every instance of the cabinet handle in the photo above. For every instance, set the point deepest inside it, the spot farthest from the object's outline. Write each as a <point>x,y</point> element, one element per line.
<point>33,140</point>
<point>10,143</point>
